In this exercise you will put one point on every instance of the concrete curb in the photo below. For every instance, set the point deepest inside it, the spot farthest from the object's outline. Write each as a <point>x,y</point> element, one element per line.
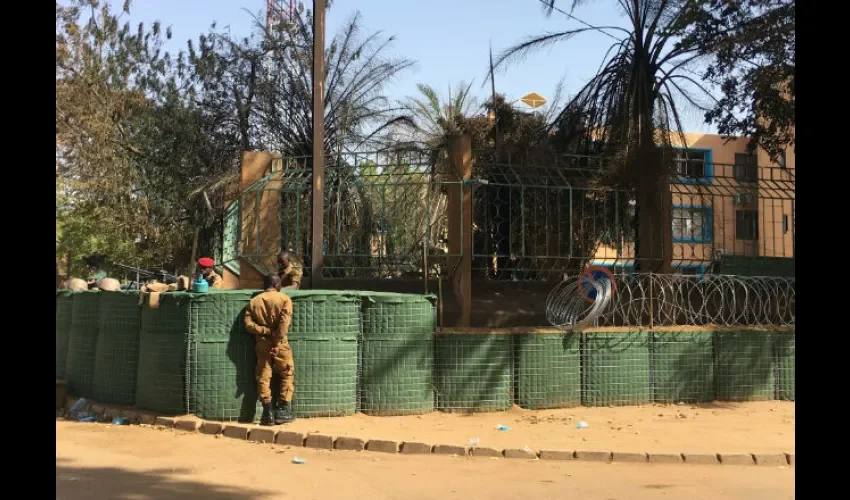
<point>278,435</point>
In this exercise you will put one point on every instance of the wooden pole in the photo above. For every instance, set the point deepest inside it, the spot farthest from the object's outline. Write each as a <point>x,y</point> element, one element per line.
<point>318,139</point>
<point>460,227</point>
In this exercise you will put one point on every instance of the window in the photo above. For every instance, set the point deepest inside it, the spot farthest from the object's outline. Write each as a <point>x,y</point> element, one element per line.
<point>784,224</point>
<point>746,167</point>
<point>692,164</point>
<point>746,225</point>
<point>781,160</point>
<point>692,224</point>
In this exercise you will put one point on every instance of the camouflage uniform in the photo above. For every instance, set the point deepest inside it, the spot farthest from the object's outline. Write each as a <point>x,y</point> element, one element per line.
<point>290,275</point>
<point>214,280</point>
<point>266,313</point>
<point>97,276</point>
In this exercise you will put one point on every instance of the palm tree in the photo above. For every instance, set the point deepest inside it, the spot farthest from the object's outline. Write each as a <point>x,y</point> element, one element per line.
<point>358,70</point>
<point>630,112</point>
<point>436,121</point>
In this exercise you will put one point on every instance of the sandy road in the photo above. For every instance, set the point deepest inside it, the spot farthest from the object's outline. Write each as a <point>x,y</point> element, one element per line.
<point>95,461</point>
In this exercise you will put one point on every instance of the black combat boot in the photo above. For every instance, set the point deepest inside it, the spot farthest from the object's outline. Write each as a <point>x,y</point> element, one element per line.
<point>267,418</point>
<point>283,413</point>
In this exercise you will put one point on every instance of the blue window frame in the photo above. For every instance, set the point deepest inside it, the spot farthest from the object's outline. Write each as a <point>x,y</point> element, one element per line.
<point>693,165</point>
<point>692,224</point>
<point>627,267</point>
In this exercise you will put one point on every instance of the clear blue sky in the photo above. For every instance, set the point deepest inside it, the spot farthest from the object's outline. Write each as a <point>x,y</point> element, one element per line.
<point>448,39</point>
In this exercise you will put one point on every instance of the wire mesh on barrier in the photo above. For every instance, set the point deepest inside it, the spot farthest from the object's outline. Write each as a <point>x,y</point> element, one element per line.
<point>473,372</point>
<point>385,214</point>
<point>82,342</point>
<point>397,354</point>
<point>117,351</point>
<point>670,300</point>
<point>163,368</point>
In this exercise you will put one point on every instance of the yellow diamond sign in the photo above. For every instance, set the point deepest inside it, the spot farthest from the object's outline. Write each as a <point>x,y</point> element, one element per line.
<point>533,100</point>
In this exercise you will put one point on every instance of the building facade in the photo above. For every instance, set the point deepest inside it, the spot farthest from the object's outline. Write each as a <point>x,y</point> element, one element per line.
<point>727,204</point>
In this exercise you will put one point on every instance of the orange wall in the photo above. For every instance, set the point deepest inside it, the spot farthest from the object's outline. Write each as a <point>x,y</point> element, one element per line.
<point>773,198</point>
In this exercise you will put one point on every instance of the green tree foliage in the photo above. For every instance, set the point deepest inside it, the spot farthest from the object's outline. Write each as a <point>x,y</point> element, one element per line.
<point>435,120</point>
<point>148,142</point>
<point>106,76</point>
<point>752,49</point>
<point>630,110</point>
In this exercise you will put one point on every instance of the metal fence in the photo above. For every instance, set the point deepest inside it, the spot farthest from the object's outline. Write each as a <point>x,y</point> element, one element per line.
<point>538,222</point>
<point>386,217</point>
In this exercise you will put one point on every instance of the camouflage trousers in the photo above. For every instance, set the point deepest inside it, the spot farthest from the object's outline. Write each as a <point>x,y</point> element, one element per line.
<point>280,361</point>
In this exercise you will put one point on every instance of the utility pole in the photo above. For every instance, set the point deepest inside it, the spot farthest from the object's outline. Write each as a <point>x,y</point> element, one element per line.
<point>318,140</point>
<point>493,100</point>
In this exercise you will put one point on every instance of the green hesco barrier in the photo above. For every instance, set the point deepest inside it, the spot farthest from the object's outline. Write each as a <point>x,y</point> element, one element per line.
<point>615,368</point>
<point>82,342</point>
<point>195,355</point>
<point>473,372</point>
<point>163,355</point>
<point>117,352</point>
<point>64,306</point>
<point>396,354</point>
<point>744,366</point>
<point>785,365</point>
<point>323,336</point>
<point>683,367</point>
<point>548,370</point>
<point>223,382</point>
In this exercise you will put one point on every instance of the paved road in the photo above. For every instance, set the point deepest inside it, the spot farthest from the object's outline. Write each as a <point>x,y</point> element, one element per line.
<point>95,461</point>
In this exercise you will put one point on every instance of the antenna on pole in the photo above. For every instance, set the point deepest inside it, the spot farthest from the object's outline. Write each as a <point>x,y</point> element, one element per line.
<point>279,10</point>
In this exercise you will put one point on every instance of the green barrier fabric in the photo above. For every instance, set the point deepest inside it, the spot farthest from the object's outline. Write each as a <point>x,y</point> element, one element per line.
<point>223,385</point>
<point>323,336</point>
<point>473,372</point>
<point>616,368</point>
<point>64,306</point>
<point>786,366</point>
<point>396,354</point>
<point>163,355</point>
<point>744,366</point>
<point>117,351</point>
<point>683,367</point>
<point>548,370</point>
<point>82,342</point>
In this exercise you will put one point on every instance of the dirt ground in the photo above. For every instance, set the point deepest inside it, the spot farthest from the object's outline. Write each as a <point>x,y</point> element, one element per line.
<point>757,427</point>
<point>95,461</point>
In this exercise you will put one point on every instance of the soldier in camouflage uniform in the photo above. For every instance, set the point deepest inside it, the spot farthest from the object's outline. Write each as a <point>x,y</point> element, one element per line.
<point>288,271</point>
<point>213,279</point>
<point>267,317</point>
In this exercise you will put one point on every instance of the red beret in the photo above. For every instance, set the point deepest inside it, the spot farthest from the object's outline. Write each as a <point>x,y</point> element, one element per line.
<point>206,262</point>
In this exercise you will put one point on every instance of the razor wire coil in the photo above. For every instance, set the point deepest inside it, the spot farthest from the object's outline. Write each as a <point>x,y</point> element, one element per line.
<point>662,300</point>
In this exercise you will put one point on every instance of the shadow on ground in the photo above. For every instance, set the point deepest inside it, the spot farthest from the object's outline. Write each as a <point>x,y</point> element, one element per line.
<point>74,483</point>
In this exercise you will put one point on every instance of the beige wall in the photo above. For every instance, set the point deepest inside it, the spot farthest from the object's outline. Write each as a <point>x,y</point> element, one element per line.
<point>773,197</point>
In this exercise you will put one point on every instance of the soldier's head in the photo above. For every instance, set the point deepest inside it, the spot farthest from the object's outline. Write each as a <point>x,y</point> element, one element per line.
<point>283,258</point>
<point>206,265</point>
<point>271,282</point>
<point>95,262</point>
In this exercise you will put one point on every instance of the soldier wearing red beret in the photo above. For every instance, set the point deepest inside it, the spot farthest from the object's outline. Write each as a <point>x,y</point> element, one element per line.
<point>213,279</point>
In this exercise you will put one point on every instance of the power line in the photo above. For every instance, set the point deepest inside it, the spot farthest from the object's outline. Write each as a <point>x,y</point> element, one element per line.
<point>551,5</point>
